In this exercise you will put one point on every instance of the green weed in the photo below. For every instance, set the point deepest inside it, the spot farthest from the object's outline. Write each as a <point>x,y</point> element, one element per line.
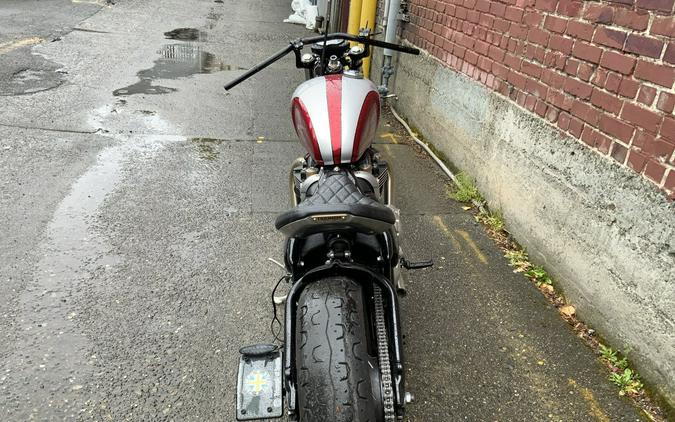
<point>628,380</point>
<point>467,190</point>
<point>539,275</point>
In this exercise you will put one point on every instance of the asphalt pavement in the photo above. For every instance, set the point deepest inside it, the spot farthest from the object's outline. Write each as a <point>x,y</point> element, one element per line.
<point>137,202</point>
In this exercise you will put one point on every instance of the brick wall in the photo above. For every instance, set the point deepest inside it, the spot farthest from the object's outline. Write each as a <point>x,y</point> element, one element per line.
<point>601,71</point>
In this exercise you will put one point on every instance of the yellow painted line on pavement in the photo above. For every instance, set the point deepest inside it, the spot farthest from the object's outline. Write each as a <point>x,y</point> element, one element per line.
<point>390,136</point>
<point>447,232</point>
<point>469,241</point>
<point>595,408</point>
<point>13,45</point>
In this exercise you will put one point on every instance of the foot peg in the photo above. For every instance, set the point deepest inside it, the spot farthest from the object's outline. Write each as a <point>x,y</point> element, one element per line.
<point>416,265</point>
<point>259,383</point>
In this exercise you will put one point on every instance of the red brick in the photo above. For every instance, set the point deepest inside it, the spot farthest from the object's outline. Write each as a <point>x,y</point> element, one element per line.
<point>659,148</point>
<point>658,74</point>
<point>486,20</point>
<point>599,13</point>
<point>645,46</point>
<point>660,5</point>
<point>655,171</point>
<point>540,108</point>
<point>496,53</point>
<point>609,37</point>
<point>669,55</point>
<point>642,117</point>
<point>555,24</point>
<point>552,79</point>
<point>483,5</point>
<point>586,52</point>
<point>588,136</point>
<point>663,25</point>
<point>580,30</point>
<point>603,143</point>
<point>666,102</point>
<point>481,47</point>
<point>646,95</point>
<point>575,126</point>
<point>558,43</point>
<point>538,36</point>
<point>668,128</point>
<point>600,77</point>
<point>560,100</point>
<point>618,62</point>
<point>606,101</point>
<point>631,19</point>
<point>670,181</point>
<point>535,88</point>
<point>585,71</point>
<point>514,14</point>
<point>613,82</point>
<point>547,5</point>
<point>497,9</point>
<point>563,120</point>
<point>530,102</point>
<point>569,8</point>
<point>512,61</point>
<point>531,69</point>
<point>585,112</point>
<point>571,67</point>
<point>518,31</point>
<point>502,25</point>
<point>517,80</point>
<point>616,128</point>
<point>642,139</point>
<point>552,114</point>
<point>534,52</point>
<point>628,88</point>
<point>618,152</point>
<point>636,160</point>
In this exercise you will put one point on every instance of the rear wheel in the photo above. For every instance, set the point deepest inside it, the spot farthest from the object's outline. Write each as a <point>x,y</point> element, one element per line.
<point>338,380</point>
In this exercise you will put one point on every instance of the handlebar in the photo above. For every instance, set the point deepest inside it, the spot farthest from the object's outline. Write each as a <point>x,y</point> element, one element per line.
<point>300,42</point>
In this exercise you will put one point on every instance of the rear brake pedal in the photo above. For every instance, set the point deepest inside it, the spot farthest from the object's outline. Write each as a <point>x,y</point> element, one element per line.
<point>259,383</point>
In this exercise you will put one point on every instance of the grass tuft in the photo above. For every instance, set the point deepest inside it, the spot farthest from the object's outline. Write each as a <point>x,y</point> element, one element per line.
<point>467,191</point>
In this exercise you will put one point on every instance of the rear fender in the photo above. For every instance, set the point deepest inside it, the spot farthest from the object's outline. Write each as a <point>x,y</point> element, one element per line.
<point>364,276</point>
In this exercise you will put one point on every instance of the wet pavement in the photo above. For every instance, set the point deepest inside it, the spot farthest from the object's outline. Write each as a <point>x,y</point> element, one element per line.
<point>138,200</point>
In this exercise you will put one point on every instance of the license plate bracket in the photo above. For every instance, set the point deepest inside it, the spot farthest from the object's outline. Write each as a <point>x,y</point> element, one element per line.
<point>259,384</point>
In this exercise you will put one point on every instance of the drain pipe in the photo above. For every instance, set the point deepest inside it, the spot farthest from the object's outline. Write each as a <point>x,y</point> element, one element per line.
<point>390,37</point>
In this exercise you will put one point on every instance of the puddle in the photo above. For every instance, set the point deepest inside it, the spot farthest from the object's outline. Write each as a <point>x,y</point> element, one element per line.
<point>186,34</point>
<point>207,147</point>
<point>176,61</point>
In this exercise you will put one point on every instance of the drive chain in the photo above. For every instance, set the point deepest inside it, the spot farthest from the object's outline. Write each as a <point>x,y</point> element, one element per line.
<point>383,357</point>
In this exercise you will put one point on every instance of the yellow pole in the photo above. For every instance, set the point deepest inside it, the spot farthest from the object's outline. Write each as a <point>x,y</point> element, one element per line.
<point>368,9</point>
<point>354,17</point>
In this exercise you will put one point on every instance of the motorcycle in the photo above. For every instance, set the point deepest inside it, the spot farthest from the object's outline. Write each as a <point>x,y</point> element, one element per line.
<point>341,358</point>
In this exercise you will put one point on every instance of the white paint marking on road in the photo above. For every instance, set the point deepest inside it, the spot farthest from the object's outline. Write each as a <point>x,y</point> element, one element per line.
<point>13,45</point>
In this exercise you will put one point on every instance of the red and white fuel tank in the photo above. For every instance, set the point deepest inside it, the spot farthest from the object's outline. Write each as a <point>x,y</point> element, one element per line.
<point>336,117</point>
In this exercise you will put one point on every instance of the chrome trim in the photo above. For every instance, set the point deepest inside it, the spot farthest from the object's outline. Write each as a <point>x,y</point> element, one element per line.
<point>307,183</point>
<point>372,181</point>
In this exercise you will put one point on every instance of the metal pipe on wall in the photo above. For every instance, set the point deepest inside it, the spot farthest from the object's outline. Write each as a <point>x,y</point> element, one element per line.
<point>390,36</point>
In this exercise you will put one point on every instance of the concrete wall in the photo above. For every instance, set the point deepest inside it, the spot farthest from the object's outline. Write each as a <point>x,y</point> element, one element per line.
<point>605,233</point>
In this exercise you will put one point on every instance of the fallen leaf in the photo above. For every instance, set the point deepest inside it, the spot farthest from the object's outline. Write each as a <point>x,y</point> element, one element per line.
<point>546,288</point>
<point>568,310</point>
<point>466,208</point>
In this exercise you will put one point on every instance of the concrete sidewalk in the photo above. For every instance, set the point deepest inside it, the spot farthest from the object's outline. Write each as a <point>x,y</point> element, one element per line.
<point>482,343</point>
<point>137,231</point>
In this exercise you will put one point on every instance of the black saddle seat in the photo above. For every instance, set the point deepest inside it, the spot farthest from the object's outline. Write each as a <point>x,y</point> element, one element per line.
<point>336,205</point>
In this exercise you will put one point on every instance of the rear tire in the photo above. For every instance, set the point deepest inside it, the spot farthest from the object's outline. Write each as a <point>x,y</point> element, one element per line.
<point>331,352</point>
